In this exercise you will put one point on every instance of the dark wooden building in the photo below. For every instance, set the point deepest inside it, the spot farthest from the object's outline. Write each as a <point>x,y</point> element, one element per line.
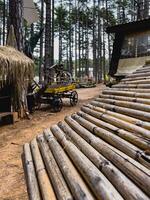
<point>131,48</point>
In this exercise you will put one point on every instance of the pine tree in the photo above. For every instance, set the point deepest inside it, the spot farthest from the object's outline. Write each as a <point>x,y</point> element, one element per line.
<point>48,52</point>
<point>41,41</point>
<point>16,19</point>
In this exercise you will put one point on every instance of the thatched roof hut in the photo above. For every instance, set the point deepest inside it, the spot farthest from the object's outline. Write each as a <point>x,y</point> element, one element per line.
<point>16,70</point>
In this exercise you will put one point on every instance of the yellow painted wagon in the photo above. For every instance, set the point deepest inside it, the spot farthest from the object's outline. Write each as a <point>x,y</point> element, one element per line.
<point>53,94</point>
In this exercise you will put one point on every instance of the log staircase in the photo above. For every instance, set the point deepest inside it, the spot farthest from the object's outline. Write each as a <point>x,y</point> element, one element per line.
<point>101,152</point>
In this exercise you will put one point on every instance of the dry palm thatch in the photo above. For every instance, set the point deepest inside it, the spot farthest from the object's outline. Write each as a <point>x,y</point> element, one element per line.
<point>17,70</point>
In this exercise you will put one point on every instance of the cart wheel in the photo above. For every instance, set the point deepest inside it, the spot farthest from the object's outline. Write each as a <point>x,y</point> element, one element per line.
<point>57,104</point>
<point>73,98</point>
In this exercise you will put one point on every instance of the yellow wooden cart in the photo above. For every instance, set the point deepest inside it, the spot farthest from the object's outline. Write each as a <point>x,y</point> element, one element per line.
<point>53,94</point>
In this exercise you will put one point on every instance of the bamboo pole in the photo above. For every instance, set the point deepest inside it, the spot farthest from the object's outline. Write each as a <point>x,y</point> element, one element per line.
<point>144,67</point>
<point>32,184</point>
<point>44,183</point>
<point>132,169</point>
<point>136,78</point>
<point>96,112</point>
<point>142,70</point>
<point>132,90</point>
<point>138,75</point>
<point>117,142</point>
<point>143,81</point>
<point>126,104</point>
<point>60,187</point>
<point>74,181</point>
<point>130,137</point>
<point>123,117</point>
<point>127,94</point>
<point>130,99</point>
<point>115,176</point>
<point>129,85</point>
<point>128,111</point>
<point>97,182</point>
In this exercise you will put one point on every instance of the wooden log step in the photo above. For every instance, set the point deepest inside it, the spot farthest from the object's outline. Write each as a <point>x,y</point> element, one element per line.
<point>126,104</point>
<point>145,81</point>
<point>97,182</point>
<point>96,112</point>
<point>60,187</point>
<point>123,117</point>
<point>123,98</point>
<point>146,65</point>
<point>115,176</point>
<point>138,86</point>
<point>127,93</point>
<point>135,78</point>
<point>132,169</point>
<point>138,75</point>
<point>115,141</point>
<point>43,180</point>
<point>128,111</point>
<point>73,179</point>
<point>32,183</point>
<point>142,71</point>
<point>132,90</point>
<point>126,135</point>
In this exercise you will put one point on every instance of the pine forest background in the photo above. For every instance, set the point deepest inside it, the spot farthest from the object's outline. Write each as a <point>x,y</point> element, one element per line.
<point>73,32</point>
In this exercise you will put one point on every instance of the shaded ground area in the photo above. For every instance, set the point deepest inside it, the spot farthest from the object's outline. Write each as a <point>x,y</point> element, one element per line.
<point>12,138</point>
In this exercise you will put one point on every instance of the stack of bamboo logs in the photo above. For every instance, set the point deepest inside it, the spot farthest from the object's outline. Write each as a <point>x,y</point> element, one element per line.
<point>101,152</point>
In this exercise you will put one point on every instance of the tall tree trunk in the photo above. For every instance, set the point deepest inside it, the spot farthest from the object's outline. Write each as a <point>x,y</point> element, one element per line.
<point>104,51</point>
<point>16,19</point>
<point>60,37</point>
<point>41,42</point>
<point>48,73</point>
<point>4,20</point>
<point>94,42</point>
<point>99,44</point>
<point>76,57</point>
<point>70,40</point>
<point>52,50</point>
<point>79,42</point>
<point>109,39</point>
<point>87,47</point>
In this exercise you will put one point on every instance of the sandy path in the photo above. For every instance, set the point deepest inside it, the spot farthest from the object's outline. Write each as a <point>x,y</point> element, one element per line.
<point>12,184</point>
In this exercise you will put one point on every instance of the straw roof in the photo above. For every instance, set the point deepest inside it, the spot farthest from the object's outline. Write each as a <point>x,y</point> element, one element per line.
<point>16,69</point>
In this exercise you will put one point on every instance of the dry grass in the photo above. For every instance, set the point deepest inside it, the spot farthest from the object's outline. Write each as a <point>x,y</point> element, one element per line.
<point>15,69</point>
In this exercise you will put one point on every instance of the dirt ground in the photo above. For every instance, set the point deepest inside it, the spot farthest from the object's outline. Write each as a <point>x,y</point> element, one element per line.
<point>12,138</point>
